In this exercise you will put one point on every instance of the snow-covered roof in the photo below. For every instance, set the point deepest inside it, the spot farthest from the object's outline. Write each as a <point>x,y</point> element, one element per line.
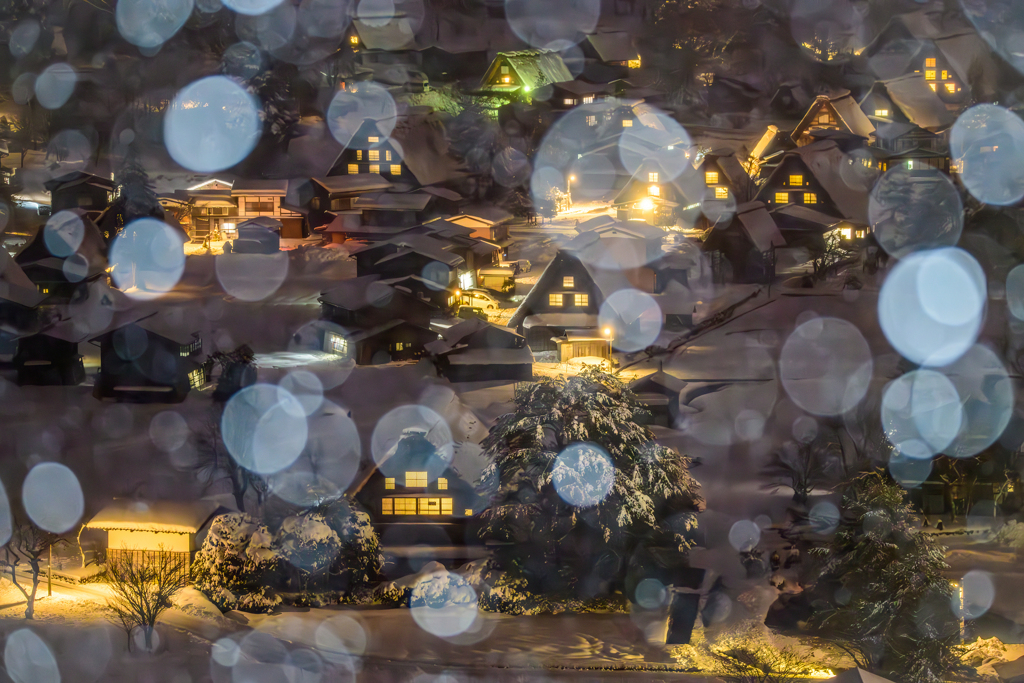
<point>850,115</point>
<point>162,516</point>
<point>78,178</point>
<point>824,160</point>
<point>613,47</point>
<point>162,325</point>
<point>255,188</point>
<point>357,293</point>
<point>918,102</point>
<point>396,34</point>
<point>389,201</point>
<point>659,381</point>
<point>357,182</point>
<point>456,335</point>
<point>535,67</point>
<point>757,223</point>
<point>804,213</point>
<point>266,222</point>
<point>15,285</point>
<point>421,144</point>
<point>581,321</point>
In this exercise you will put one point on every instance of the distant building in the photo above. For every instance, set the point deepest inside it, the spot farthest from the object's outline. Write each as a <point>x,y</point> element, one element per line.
<point>911,121</point>
<point>335,194</point>
<point>523,72</point>
<point>43,359</point>
<point>659,393</point>
<point>59,270</point>
<point>837,113</point>
<point>813,177</point>
<point>267,198</point>
<point>476,351</point>
<point>80,190</point>
<point>747,243</point>
<point>149,361</point>
<point>408,254</point>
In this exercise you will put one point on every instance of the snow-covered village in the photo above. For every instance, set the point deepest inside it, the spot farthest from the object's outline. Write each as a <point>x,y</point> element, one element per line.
<point>457,341</point>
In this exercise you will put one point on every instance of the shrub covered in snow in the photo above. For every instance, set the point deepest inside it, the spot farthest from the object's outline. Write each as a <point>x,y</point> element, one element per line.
<point>572,524</point>
<point>1011,535</point>
<point>238,564</point>
<point>309,547</point>
<point>359,560</point>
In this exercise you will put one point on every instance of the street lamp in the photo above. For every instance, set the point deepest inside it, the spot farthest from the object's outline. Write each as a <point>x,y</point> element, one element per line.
<point>608,334</point>
<point>568,187</point>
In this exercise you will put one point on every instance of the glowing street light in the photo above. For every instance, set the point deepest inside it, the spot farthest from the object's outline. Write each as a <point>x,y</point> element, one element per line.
<point>647,204</point>
<point>568,187</point>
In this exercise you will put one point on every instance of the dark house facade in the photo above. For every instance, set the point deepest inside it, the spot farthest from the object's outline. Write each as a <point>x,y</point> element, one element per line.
<point>478,351</point>
<point>148,362</point>
<point>45,360</point>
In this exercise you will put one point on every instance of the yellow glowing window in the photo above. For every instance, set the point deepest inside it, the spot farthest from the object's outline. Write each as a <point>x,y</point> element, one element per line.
<point>469,512</point>
<point>359,155</point>
<point>810,198</point>
<point>930,61</point>
<point>568,101</point>
<point>373,138</point>
<point>554,299</point>
<point>846,233</point>
<point>592,120</point>
<point>796,180</point>
<point>353,169</point>
<point>430,506</point>
<point>568,282</point>
<point>446,506</point>
<point>711,178</point>
<point>951,87</point>
<point>881,112</point>
<point>654,191</point>
<point>374,155</point>
<point>860,234</point>
<point>929,75</point>
<point>374,168</point>
<point>387,155</point>
<point>781,197</point>
<point>945,74</point>
<point>627,123</point>
<point>337,344</point>
<point>588,99</point>
<point>506,79</point>
<point>416,479</point>
<point>582,300</point>
<point>396,169</point>
<point>405,506</point>
<point>633,63</point>
<point>442,484</point>
<point>932,85</point>
<point>652,177</point>
<point>389,483</point>
<point>387,507</point>
<point>354,39</point>
<point>721,193</point>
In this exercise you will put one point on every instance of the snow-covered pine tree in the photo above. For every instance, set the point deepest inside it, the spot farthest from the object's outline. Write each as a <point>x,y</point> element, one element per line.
<point>884,579</point>
<point>135,195</point>
<point>649,510</point>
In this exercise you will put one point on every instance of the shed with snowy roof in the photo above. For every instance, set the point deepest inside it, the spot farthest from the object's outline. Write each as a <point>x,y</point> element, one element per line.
<point>524,70</point>
<point>135,526</point>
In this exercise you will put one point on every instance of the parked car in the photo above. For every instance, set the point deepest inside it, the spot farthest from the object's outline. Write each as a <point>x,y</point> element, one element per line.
<point>468,312</point>
<point>497,278</point>
<point>478,298</point>
<point>520,266</point>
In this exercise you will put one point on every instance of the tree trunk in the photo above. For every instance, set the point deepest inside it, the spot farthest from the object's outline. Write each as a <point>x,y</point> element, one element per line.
<point>148,633</point>
<point>30,608</point>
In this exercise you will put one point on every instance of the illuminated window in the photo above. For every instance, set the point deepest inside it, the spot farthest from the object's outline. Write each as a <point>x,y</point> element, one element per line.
<point>825,119</point>
<point>554,299</point>
<point>568,101</point>
<point>810,198</point>
<point>627,123</point>
<point>652,177</point>
<point>654,191</point>
<point>504,70</point>
<point>568,282</point>
<point>581,300</point>
<point>932,85</point>
<point>796,180</point>
<point>951,87</point>
<point>506,79</point>
<point>396,169</point>
<point>633,63</point>
<point>430,506</point>
<point>387,506</point>
<point>374,168</point>
<point>387,155</point>
<point>721,193</point>
<point>337,344</point>
<point>389,483</point>
<point>374,155</point>
<point>195,378</point>
<point>945,75</point>
<point>446,506</point>
<point>781,197</point>
<point>929,75</point>
<point>711,178</point>
<point>442,484</point>
<point>846,233</point>
<point>416,479</point>
<point>405,506</point>
<point>592,120</point>
<point>930,61</point>
<point>373,138</point>
<point>881,112</point>
<point>354,39</point>
<point>860,234</point>
<point>353,169</point>
<point>359,155</point>
<point>469,512</point>
<point>588,99</point>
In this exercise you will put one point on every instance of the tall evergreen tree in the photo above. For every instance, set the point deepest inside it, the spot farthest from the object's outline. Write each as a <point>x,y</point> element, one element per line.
<point>541,504</point>
<point>888,603</point>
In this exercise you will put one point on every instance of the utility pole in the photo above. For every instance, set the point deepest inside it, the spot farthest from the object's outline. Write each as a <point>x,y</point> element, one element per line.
<point>49,574</point>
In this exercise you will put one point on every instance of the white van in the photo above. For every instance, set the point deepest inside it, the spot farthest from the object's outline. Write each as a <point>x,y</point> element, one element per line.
<point>477,298</point>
